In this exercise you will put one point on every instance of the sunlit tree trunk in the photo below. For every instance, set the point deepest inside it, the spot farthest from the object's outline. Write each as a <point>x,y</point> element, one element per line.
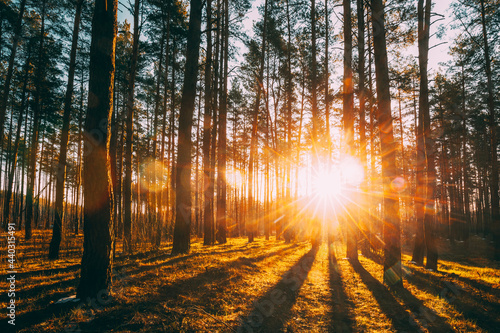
<point>157,178</point>
<point>362,120</point>
<point>127,186</point>
<point>348,124</point>
<point>251,225</point>
<point>424,14</point>
<point>34,135</point>
<point>181,242</point>
<point>392,247</point>
<point>207,128</point>
<point>221,159</point>
<point>97,257</point>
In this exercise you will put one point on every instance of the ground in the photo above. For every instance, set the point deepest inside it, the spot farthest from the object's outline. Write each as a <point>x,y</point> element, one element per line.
<point>265,286</point>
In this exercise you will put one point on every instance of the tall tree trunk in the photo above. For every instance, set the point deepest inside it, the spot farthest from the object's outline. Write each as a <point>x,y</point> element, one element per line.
<point>157,190</point>
<point>34,135</point>
<point>316,235</point>
<point>392,247</point>
<point>127,186</point>
<point>207,128</point>
<point>424,14</point>
<point>61,168</point>
<point>362,120</point>
<point>79,162</point>
<point>251,228</point>
<point>8,195</point>
<point>222,148</point>
<point>181,243</point>
<point>10,69</point>
<point>98,241</point>
<point>495,209</point>
<point>348,122</point>
<point>164,196</point>
<point>289,228</point>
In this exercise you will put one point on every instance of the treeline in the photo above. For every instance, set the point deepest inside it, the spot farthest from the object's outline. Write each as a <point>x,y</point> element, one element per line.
<point>159,129</point>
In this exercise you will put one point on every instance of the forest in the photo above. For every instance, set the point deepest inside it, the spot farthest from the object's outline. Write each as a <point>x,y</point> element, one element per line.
<point>249,166</point>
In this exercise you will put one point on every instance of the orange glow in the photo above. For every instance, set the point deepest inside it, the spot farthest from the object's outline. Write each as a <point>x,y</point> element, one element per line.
<point>327,183</point>
<point>153,176</point>
<point>234,178</point>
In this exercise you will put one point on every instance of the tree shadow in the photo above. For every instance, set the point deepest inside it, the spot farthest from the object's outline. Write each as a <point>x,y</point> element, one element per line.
<point>37,316</point>
<point>471,305</point>
<point>397,314</point>
<point>427,317</point>
<point>342,316</point>
<point>272,310</point>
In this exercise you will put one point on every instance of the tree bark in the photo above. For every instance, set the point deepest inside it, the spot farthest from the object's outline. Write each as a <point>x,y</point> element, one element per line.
<point>181,243</point>
<point>98,241</point>
<point>251,227</point>
<point>222,148</point>
<point>495,205</point>
<point>61,168</point>
<point>362,120</point>
<point>127,186</point>
<point>207,128</point>
<point>34,135</point>
<point>348,122</point>
<point>392,248</point>
<point>8,195</point>
<point>10,69</point>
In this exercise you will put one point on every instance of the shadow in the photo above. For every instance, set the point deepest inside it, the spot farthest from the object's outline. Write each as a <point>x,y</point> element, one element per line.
<point>272,310</point>
<point>50,271</point>
<point>124,313</point>
<point>221,274</point>
<point>205,287</point>
<point>471,305</point>
<point>398,316</point>
<point>427,317</point>
<point>482,286</point>
<point>342,316</point>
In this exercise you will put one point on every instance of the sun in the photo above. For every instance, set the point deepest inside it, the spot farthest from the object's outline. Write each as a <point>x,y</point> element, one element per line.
<point>327,183</point>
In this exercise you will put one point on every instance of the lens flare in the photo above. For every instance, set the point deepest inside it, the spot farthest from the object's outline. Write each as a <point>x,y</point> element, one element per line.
<point>327,183</point>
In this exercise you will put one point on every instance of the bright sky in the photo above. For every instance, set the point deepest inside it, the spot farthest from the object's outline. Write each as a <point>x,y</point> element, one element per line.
<point>436,54</point>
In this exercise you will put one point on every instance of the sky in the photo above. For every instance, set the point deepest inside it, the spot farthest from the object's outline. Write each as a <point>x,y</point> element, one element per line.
<point>437,54</point>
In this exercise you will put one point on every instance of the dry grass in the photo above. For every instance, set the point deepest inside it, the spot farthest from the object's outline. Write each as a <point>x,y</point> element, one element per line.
<point>266,286</point>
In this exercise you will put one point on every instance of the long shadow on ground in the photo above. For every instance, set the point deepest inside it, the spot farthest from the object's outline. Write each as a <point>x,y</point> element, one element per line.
<point>473,305</point>
<point>120,316</point>
<point>400,319</point>
<point>38,316</point>
<point>342,316</point>
<point>271,311</point>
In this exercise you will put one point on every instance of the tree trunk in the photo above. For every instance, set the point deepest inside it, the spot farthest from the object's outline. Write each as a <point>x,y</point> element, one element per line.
<point>251,228</point>
<point>430,179</point>
<point>221,158</point>
<point>392,248</point>
<point>127,186</point>
<point>181,243</point>
<point>97,257</point>
<point>61,168</point>
<point>34,135</point>
<point>10,69</point>
<point>207,128</point>
<point>8,195</point>
<point>362,121</point>
<point>495,209</point>
<point>348,122</point>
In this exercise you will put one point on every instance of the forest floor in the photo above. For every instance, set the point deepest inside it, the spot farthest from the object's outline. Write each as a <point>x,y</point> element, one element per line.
<point>265,286</point>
